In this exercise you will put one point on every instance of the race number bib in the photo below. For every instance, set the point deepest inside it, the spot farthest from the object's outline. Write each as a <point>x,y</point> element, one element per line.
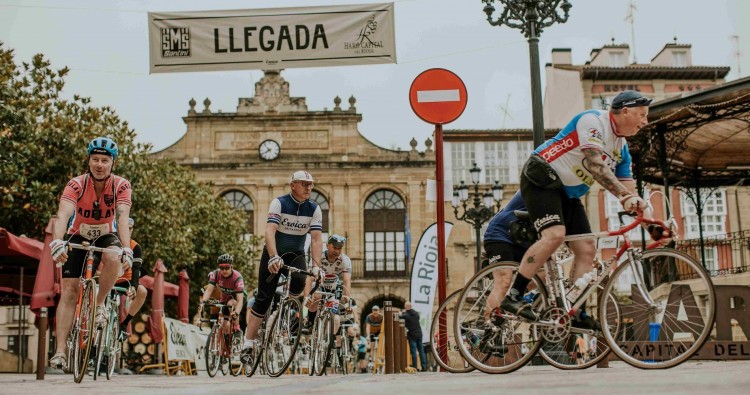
<point>93,231</point>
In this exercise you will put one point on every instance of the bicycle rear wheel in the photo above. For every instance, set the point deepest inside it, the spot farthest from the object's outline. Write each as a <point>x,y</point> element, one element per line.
<point>559,354</point>
<point>213,359</point>
<point>668,306</point>
<point>86,330</point>
<point>508,343</point>
<point>283,338</point>
<point>255,358</point>
<point>114,346</point>
<point>452,361</point>
<point>322,341</point>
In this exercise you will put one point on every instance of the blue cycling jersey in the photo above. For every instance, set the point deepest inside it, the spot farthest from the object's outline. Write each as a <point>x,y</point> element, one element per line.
<point>295,219</point>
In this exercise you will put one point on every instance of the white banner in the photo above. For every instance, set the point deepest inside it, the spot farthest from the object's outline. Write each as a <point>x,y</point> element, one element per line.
<point>271,38</point>
<point>186,342</point>
<point>424,276</point>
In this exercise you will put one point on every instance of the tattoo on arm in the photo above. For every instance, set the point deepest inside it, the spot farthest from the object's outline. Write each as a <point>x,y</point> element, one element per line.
<point>601,173</point>
<point>530,260</point>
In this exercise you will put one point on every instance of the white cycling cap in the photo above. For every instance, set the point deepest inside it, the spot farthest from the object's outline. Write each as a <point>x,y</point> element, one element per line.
<point>302,175</point>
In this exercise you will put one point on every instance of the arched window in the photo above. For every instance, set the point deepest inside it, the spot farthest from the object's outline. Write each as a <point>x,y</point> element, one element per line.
<point>385,223</point>
<point>241,201</point>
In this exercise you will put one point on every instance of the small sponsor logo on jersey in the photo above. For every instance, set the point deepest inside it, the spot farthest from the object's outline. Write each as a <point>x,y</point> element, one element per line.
<point>546,220</point>
<point>559,148</point>
<point>175,42</point>
<point>583,175</point>
<point>109,200</point>
<point>595,136</point>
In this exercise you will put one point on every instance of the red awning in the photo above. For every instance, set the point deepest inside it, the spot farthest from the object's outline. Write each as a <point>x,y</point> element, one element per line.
<point>169,288</point>
<point>12,245</point>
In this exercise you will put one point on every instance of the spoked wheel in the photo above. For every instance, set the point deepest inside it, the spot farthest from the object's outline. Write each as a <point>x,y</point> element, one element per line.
<point>561,353</point>
<point>115,347</point>
<point>448,357</point>
<point>283,337</point>
<point>86,331</point>
<point>213,360</point>
<point>668,305</point>
<point>102,349</point>
<point>253,361</point>
<point>235,364</point>
<point>322,341</point>
<point>491,341</point>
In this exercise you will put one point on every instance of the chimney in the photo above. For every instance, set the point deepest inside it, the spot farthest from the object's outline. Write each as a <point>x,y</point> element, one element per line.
<point>562,56</point>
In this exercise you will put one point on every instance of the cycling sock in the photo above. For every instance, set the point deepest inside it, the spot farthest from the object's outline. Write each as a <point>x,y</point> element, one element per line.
<point>311,317</point>
<point>519,285</point>
<point>126,321</point>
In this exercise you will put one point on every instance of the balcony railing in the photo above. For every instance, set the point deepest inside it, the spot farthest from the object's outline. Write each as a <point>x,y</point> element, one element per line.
<point>731,255</point>
<point>379,269</point>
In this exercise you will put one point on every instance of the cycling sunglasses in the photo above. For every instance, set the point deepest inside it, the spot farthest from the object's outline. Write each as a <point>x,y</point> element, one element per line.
<point>337,238</point>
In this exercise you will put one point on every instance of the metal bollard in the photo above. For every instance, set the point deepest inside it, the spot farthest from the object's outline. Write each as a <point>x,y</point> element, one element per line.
<point>41,351</point>
<point>404,344</point>
<point>388,324</point>
<point>397,343</point>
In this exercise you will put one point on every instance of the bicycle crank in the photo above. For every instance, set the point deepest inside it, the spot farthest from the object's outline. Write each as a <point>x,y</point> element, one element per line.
<point>555,325</point>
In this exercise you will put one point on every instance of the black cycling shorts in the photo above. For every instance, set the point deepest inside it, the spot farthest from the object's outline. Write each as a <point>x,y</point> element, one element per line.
<point>75,264</point>
<point>267,289</point>
<point>500,251</point>
<point>548,207</point>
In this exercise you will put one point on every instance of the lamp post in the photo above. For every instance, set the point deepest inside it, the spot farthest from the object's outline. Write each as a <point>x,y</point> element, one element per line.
<point>483,204</point>
<point>531,16</point>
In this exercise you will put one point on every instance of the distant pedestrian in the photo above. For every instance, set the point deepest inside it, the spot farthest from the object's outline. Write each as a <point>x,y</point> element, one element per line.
<point>414,335</point>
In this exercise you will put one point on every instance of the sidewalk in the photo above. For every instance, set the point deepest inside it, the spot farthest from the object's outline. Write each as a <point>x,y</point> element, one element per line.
<point>689,378</point>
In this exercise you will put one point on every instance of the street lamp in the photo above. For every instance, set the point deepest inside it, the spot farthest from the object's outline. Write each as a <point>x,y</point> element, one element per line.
<point>531,16</point>
<point>485,205</point>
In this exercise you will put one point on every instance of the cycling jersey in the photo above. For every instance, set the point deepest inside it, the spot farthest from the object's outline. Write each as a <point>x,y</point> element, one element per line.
<point>295,219</point>
<point>229,286</point>
<point>564,152</point>
<point>95,215</point>
<point>338,267</point>
<point>499,227</point>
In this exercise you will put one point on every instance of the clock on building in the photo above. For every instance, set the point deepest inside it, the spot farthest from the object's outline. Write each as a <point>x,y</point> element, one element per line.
<point>269,150</point>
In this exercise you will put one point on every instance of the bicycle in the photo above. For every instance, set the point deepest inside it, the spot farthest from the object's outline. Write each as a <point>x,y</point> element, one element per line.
<point>644,312</point>
<point>322,333</point>
<point>281,338</point>
<point>82,333</point>
<point>109,341</point>
<point>344,354</point>
<point>222,349</point>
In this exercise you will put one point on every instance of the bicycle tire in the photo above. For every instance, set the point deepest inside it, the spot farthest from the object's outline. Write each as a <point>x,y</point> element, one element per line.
<point>323,341</point>
<point>491,357</point>
<point>562,349</point>
<point>283,337</point>
<point>456,357</point>
<point>115,346</point>
<point>255,360</point>
<point>674,280</point>
<point>345,355</point>
<point>84,337</point>
<point>211,351</point>
<point>101,348</point>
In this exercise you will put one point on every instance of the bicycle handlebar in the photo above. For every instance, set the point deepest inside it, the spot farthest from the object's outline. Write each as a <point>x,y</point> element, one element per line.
<point>638,220</point>
<point>92,248</point>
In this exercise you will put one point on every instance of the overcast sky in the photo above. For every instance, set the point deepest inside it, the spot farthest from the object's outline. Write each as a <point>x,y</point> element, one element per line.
<point>105,44</point>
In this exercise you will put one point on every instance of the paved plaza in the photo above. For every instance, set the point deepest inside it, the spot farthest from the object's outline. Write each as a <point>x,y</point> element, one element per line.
<point>690,378</point>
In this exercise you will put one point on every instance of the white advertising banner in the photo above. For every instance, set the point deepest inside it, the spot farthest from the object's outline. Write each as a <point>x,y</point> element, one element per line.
<point>271,38</point>
<point>424,276</point>
<point>186,342</point>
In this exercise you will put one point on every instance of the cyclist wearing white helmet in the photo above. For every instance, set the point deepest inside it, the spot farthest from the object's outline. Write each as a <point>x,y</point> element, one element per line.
<point>99,203</point>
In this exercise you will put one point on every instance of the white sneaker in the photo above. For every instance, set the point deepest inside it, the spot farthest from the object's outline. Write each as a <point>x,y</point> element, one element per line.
<point>58,361</point>
<point>102,316</point>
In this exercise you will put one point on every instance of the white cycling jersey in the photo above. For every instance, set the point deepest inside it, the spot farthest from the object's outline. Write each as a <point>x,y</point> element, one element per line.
<point>340,266</point>
<point>589,129</point>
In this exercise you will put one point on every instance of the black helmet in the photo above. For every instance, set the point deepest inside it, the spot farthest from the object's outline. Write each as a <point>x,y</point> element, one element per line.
<point>225,259</point>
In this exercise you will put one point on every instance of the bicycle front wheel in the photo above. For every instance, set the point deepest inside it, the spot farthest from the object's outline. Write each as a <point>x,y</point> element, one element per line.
<point>283,338</point>
<point>212,351</point>
<point>668,306</point>
<point>322,341</point>
<point>504,344</point>
<point>85,330</point>
<point>235,363</point>
<point>114,347</point>
<point>448,356</point>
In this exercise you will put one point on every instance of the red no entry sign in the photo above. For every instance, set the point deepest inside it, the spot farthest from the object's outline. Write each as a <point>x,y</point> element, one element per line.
<point>437,96</point>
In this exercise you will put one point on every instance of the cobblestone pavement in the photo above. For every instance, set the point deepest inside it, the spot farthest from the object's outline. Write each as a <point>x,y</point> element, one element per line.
<point>689,378</point>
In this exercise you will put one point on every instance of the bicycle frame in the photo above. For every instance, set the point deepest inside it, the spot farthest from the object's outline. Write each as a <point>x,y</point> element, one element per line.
<point>553,267</point>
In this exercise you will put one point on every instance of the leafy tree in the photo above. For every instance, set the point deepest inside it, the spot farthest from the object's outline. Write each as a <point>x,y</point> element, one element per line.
<point>43,140</point>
